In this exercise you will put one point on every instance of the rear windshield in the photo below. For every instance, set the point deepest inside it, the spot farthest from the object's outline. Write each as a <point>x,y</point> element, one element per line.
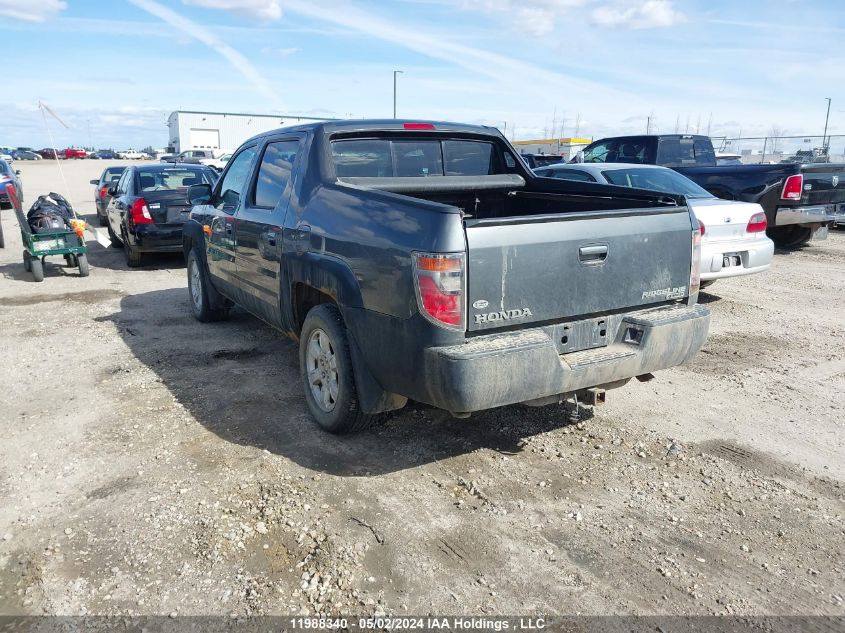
<point>662,180</point>
<point>113,174</point>
<point>678,152</point>
<point>153,179</point>
<point>386,158</point>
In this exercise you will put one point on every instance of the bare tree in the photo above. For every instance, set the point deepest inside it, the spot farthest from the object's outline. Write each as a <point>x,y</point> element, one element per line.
<point>775,134</point>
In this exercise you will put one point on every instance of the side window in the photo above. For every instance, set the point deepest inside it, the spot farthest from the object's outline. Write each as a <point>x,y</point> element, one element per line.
<point>274,174</point>
<point>598,152</point>
<point>234,181</point>
<point>121,184</point>
<point>570,174</point>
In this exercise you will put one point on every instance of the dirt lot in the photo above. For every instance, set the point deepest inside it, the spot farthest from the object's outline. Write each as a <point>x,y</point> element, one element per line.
<point>153,464</point>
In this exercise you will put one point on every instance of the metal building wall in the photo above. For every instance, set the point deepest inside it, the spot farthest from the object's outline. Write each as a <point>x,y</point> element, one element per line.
<point>234,128</point>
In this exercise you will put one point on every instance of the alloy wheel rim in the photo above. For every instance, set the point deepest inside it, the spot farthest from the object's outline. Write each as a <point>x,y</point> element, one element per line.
<point>321,367</point>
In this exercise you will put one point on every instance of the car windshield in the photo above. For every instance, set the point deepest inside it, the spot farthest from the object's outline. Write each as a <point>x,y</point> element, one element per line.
<point>152,179</point>
<point>663,180</point>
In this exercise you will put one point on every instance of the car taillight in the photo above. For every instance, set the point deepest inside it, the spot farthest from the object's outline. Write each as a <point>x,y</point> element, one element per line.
<point>139,213</point>
<point>695,267</point>
<point>439,280</point>
<point>792,187</point>
<point>13,195</point>
<point>104,191</point>
<point>701,227</point>
<point>757,223</point>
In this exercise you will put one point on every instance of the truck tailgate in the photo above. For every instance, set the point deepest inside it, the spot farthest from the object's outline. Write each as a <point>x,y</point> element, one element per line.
<point>549,268</point>
<point>823,184</point>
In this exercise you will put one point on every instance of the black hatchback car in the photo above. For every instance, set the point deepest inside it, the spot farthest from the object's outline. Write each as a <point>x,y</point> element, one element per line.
<point>148,206</point>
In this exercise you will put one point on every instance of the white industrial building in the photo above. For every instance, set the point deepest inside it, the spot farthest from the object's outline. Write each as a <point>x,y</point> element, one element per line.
<point>222,130</point>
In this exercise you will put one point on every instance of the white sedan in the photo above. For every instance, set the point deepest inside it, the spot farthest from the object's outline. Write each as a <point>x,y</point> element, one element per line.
<point>734,240</point>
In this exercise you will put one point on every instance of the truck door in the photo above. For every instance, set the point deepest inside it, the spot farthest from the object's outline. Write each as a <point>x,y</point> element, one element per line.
<point>225,202</point>
<point>258,232</point>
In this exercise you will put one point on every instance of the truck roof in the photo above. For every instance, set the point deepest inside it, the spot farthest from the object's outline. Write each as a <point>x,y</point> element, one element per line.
<point>385,125</point>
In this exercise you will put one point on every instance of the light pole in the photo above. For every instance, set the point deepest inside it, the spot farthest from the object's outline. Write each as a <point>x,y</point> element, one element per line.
<point>395,72</point>
<point>827,116</point>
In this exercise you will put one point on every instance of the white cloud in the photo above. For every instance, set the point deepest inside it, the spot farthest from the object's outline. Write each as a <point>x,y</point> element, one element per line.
<point>538,19</point>
<point>646,14</point>
<point>258,9</point>
<point>279,52</point>
<point>202,34</point>
<point>31,10</point>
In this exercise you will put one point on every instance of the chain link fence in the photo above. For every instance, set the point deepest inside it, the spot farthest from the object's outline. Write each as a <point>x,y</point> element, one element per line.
<point>775,149</point>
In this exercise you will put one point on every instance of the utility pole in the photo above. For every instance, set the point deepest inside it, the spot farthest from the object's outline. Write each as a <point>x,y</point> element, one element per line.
<point>827,116</point>
<point>395,72</point>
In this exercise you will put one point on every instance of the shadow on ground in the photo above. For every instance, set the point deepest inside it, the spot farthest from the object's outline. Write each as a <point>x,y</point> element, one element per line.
<point>240,380</point>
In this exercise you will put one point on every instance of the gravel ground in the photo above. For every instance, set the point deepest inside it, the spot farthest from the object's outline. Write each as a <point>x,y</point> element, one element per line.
<point>151,464</point>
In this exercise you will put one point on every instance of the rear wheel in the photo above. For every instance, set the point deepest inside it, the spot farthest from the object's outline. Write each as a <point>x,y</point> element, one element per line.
<point>37,267</point>
<point>104,221</point>
<point>133,257</point>
<point>326,369</point>
<point>206,304</point>
<point>27,261</point>
<point>793,236</point>
<point>82,260</point>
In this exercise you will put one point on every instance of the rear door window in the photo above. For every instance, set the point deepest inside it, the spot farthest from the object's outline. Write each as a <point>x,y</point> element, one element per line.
<point>568,174</point>
<point>685,151</point>
<point>275,172</point>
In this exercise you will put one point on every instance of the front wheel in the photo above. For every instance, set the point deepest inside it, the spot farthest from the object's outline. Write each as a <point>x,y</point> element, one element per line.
<point>327,376</point>
<point>37,268</point>
<point>114,239</point>
<point>82,260</point>
<point>203,304</point>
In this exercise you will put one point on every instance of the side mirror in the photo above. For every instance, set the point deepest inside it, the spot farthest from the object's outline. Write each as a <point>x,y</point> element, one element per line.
<point>17,172</point>
<point>112,191</point>
<point>94,182</point>
<point>199,194</point>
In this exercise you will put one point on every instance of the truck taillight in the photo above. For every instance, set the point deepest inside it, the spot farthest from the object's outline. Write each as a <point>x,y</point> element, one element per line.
<point>695,267</point>
<point>139,213</point>
<point>793,187</point>
<point>757,223</point>
<point>439,280</point>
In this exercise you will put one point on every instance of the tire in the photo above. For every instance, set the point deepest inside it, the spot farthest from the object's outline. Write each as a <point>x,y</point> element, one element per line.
<point>115,240</point>
<point>707,284</point>
<point>206,304</point>
<point>133,258</point>
<point>27,262</point>
<point>37,267</point>
<point>84,269</point>
<point>790,237</point>
<point>325,366</point>
<point>104,220</point>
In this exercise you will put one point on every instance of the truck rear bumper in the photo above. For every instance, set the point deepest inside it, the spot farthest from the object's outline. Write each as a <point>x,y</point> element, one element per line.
<point>803,215</point>
<point>497,370</point>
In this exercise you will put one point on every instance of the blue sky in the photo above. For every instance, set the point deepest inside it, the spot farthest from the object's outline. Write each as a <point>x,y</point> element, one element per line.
<point>119,67</point>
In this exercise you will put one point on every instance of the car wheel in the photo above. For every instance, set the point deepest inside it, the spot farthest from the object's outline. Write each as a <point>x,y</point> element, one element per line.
<point>82,260</point>
<point>133,257</point>
<point>326,369</point>
<point>37,267</point>
<point>204,304</point>
<point>116,242</point>
<point>104,220</point>
<point>790,236</point>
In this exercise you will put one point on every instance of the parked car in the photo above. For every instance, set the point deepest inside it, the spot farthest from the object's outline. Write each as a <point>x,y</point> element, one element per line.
<point>194,156</point>
<point>383,243</point>
<point>734,238</point>
<point>20,154</point>
<point>73,152</point>
<point>104,154</point>
<point>541,160</point>
<point>130,154</point>
<point>109,177</point>
<point>11,192</point>
<point>6,156</point>
<point>148,205</point>
<point>217,164</point>
<point>800,199</point>
<point>47,152</point>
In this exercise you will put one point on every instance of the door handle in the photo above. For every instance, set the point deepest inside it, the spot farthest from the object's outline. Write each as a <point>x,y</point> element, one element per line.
<point>593,254</point>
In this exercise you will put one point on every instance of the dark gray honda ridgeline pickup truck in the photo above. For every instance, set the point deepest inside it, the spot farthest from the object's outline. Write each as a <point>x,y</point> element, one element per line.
<point>426,261</point>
